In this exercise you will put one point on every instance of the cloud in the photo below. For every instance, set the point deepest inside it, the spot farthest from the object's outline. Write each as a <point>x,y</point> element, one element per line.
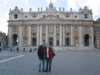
<point>48,1</point>
<point>62,0</point>
<point>3,23</point>
<point>92,4</point>
<point>4,1</point>
<point>26,1</point>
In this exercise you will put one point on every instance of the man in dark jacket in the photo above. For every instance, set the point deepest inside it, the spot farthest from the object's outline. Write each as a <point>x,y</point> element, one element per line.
<point>17,49</point>
<point>0,49</point>
<point>41,55</point>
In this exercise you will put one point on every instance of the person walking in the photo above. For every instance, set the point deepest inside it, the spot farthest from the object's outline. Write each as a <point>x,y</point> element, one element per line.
<point>11,50</point>
<point>26,50</point>
<point>0,49</point>
<point>49,56</point>
<point>41,55</point>
<point>17,49</point>
<point>30,50</point>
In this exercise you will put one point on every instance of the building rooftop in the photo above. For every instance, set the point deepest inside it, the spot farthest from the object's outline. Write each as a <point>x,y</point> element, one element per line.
<point>97,21</point>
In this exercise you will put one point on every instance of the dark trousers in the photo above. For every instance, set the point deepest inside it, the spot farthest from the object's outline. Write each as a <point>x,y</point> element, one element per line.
<point>48,64</point>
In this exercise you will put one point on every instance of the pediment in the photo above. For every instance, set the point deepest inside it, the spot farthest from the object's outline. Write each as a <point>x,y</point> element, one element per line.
<point>50,17</point>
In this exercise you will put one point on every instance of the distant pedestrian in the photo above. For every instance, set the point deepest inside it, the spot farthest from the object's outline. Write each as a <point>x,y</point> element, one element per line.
<point>49,56</point>
<point>11,50</point>
<point>26,50</point>
<point>41,55</point>
<point>17,49</point>
<point>0,49</point>
<point>30,50</point>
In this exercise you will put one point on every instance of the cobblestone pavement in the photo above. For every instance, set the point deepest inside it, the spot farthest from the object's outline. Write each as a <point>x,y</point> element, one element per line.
<point>64,63</point>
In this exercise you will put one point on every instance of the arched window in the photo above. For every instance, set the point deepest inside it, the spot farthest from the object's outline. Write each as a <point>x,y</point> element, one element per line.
<point>25,16</point>
<point>57,28</point>
<point>57,42</point>
<point>85,16</point>
<point>25,29</point>
<point>67,15</point>
<point>43,28</point>
<point>86,29</point>
<point>43,15</point>
<point>15,29</point>
<point>34,15</point>
<point>34,28</point>
<point>15,16</point>
<point>67,28</point>
<point>50,28</point>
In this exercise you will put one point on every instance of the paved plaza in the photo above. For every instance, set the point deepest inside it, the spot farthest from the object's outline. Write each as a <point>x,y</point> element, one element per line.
<point>64,63</point>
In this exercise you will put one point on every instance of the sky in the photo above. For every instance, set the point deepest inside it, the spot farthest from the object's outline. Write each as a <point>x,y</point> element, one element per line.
<point>6,5</point>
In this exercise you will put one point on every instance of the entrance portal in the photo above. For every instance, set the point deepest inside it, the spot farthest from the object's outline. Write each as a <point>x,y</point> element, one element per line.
<point>15,40</point>
<point>67,42</point>
<point>34,41</point>
<point>51,41</point>
<point>86,40</point>
<point>57,42</point>
<point>95,44</point>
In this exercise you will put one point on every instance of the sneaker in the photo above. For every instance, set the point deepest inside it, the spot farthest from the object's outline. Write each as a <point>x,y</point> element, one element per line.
<point>49,70</point>
<point>39,70</point>
<point>43,70</point>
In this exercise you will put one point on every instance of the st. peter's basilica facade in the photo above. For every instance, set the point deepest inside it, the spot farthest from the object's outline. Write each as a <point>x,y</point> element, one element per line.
<point>59,28</point>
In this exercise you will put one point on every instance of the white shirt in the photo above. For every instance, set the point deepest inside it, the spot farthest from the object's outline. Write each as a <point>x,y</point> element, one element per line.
<point>26,49</point>
<point>47,52</point>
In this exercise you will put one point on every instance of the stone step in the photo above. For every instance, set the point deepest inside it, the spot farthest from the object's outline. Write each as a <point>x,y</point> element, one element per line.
<point>56,48</point>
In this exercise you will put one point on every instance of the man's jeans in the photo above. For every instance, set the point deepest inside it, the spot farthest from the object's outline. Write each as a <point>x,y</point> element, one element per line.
<point>43,63</point>
<point>48,64</point>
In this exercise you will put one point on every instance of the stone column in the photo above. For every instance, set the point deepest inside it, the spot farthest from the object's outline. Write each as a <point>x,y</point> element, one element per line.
<point>63,35</point>
<point>80,35</point>
<point>29,41</point>
<point>72,35</point>
<point>38,35</point>
<point>60,35</point>
<point>55,35</point>
<point>20,36</point>
<point>92,37</point>
<point>46,33</point>
<point>10,41</point>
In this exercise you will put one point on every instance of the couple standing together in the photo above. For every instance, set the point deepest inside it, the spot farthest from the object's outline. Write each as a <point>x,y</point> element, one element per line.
<point>45,53</point>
